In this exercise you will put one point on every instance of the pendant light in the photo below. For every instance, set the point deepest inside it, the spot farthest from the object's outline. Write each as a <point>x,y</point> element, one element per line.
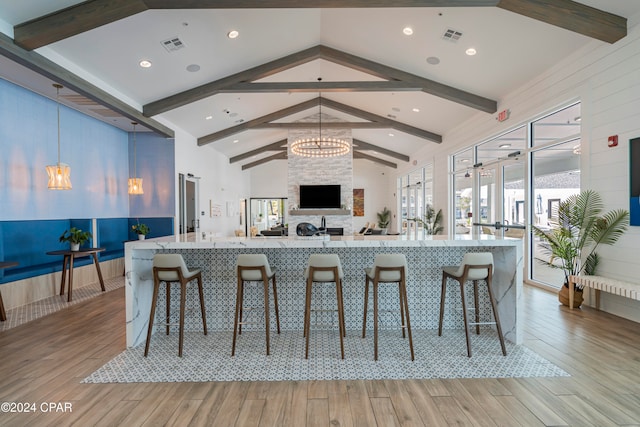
<point>135,183</point>
<point>59,174</point>
<point>320,146</point>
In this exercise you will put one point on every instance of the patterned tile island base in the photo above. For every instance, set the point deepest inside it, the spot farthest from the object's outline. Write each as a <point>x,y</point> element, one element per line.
<point>216,257</point>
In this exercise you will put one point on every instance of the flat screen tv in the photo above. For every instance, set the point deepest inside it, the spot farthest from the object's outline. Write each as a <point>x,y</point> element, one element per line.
<point>320,197</point>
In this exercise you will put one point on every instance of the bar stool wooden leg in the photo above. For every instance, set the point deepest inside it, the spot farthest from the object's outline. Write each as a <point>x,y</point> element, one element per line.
<point>236,318</point>
<point>366,304</point>
<point>341,328</point>
<point>496,316</point>
<point>403,292</point>
<point>275,302</point>
<point>443,293</point>
<point>375,319</point>
<point>475,300</point>
<point>241,290</point>
<point>168,309</point>
<point>402,324</point>
<point>265,286</point>
<point>201,294</point>
<point>152,315</point>
<point>307,316</point>
<point>464,314</point>
<point>183,301</point>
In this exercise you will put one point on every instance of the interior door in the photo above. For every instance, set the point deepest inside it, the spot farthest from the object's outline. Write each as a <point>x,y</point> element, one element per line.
<point>188,194</point>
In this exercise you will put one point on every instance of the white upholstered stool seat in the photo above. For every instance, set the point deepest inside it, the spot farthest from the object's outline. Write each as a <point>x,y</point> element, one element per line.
<point>170,268</point>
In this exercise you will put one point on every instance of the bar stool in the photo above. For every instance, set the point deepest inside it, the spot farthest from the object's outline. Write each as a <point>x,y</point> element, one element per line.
<point>171,268</point>
<point>324,268</point>
<point>475,266</point>
<point>387,268</point>
<point>254,268</point>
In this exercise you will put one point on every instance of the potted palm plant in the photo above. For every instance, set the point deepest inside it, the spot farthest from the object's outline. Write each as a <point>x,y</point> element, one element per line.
<point>384,217</point>
<point>581,226</point>
<point>75,237</point>
<point>141,230</point>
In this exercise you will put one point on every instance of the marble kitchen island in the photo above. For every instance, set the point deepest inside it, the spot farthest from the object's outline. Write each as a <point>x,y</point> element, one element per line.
<point>216,258</point>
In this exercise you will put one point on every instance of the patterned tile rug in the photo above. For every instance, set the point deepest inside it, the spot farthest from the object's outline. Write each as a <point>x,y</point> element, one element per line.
<point>208,358</point>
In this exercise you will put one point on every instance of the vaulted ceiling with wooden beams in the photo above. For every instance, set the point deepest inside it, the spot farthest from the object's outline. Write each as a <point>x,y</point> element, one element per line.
<point>398,74</point>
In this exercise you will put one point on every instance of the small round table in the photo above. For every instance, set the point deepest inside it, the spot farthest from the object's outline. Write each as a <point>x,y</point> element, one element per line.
<point>5,264</point>
<point>69,256</point>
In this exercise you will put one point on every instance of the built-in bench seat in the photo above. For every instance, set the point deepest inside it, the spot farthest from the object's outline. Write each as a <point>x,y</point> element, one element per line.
<point>600,283</point>
<point>27,242</point>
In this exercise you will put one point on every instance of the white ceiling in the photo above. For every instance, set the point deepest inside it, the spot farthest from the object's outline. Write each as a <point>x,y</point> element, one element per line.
<point>512,49</point>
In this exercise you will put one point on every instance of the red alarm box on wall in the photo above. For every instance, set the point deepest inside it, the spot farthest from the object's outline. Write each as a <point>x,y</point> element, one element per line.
<point>612,141</point>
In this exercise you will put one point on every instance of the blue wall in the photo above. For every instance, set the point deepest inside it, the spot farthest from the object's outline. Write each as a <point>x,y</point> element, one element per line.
<point>156,164</point>
<point>99,156</point>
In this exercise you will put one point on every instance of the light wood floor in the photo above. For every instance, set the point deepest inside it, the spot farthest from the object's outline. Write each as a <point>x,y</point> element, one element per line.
<point>45,360</point>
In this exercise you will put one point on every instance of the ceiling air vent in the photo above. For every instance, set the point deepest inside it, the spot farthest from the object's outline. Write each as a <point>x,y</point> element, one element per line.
<point>452,35</point>
<point>172,44</point>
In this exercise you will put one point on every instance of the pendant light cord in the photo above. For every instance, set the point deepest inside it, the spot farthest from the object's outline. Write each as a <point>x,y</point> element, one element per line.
<point>58,107</point>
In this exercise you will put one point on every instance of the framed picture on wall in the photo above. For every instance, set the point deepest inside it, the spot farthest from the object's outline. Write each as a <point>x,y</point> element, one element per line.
<point>358,202</point>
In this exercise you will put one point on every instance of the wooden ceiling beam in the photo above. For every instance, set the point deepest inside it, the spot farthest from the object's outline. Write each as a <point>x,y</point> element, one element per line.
<point>428,86</point>
<point>217,86</point>
<point>43,66</point>
<point>296,87</point>
<point>360,155</point>
<point>361,145</point>
<point>572,16</point>
<point>258,121</point>
<point>411,130</point>
<point>267,122</point>
<point>276,146</point>
<point>279,156</point>
<point>73,20</point>
<point>92,14</point>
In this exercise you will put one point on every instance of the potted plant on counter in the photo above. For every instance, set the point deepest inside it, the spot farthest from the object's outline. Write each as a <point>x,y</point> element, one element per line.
<point>75,237</point>
<point>141,230</point>
<point>384,217</point>
<point>571,242</point>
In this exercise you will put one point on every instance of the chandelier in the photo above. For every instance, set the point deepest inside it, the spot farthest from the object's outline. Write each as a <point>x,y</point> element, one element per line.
<point>59,174</point>
<point>320,146</point>
<point>135,183</point>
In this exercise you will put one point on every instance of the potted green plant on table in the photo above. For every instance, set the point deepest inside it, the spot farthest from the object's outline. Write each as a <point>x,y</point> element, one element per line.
<point>580,227</point>
<point>75,237</point>
<point>141,230</point>
<point>384,217</point>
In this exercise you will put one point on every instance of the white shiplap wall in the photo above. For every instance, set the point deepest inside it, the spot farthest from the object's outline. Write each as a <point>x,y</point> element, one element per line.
<point>606,79</point>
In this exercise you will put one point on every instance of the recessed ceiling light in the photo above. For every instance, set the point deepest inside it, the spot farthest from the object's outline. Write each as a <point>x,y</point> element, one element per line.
<point>391,134</point>
<point>192,68</point>
<point>504,145</point>
<point>416,110</point>
<point>465,160</point>
<point>433,60</point>
<point>209,117</point>
<point>407,31</point>
<point>145,63</point>
<point>235,141</point>
<point>233,34</point>
<point>471,51</point>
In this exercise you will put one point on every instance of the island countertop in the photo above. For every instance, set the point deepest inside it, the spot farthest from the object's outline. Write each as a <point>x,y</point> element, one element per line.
<point>215,256</point>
